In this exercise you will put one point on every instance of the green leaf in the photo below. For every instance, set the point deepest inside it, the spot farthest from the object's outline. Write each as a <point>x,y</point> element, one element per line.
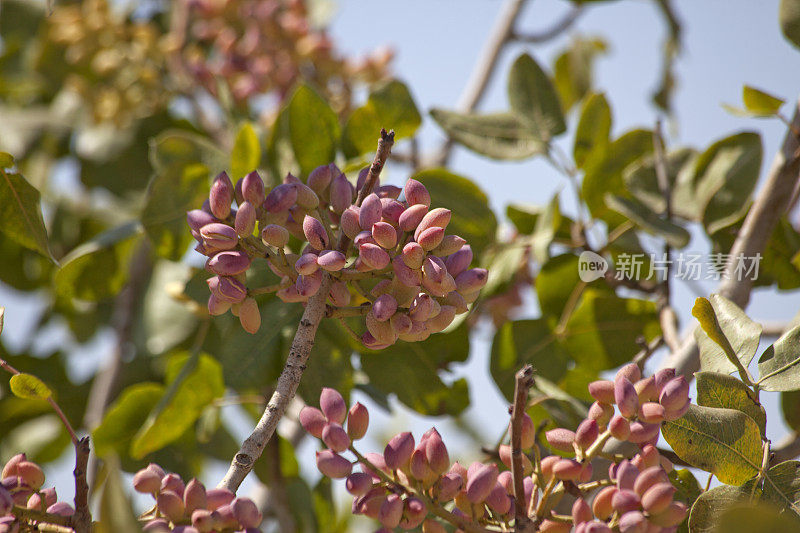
<point>503,263</point>
<point>604,175</point>
<point>98,269</point>
<point>6,160</point>
<point>782,487</point>
<point>725,442</point>
<point>721,390</point>
<point>750,518</point>
<point>686,484</point>
<point>602,332</point>
<point>533,97</point>
<point>29,387</point>
<point>646,219</point>
<point>124,418</point>
<point>471,217</point>
<point>789,16</point>
<point>557,280</point>
<point>546,226</point>
<point>642,182</point>
<point>498,136</point>
<point>790,406</point>
<point>520,342</point>
<point>594,129</point>
<point>246,153</point>
<point>21,215</point>
<point>170,195</point>
<point>779,365</point>
<point>760,103</point>
<point>524,218</point>
<point>313,129</point>
<point>180,147</point>
<point>202,386</point>
<point>573,70</point>
<point>724,178</point>
<point>711,504</point>
<point>390,106</point>
<point>116,512</point>
<point>727,334</point>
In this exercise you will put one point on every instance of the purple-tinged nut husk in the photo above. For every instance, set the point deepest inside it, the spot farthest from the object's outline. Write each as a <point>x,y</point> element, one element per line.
<point>174,483</point>
<point>674,393</point>
<point>602,391</point>
<point>341,193</point>
<point>472,280</point>
<point>228,263</point>
<point>363,238</point>
<point>443,319</point>
<point>331,260</point>
<point>197,218</point>
<point>306,197</point>
<point>626,475</point>
<point>625,397</point>
<point>436,453</point>
<point>431,238</point>
<point>223,518</point>
<point>374,256</point>
<point>306,264</point>
<point>358,483</point>
<point>586,433</point>
<point>332,405</point>
<point>459,261</point>
<point>642,432</point>
<point>433,269</point>
<point>370,211</point>
<point>420,469</point>
<point>651,413</point>
<point>676,413</point>
<point>170,505</point>
<point>649,477</point>
<point>217,498</point>
<point>384,307</point>
<point>227,288</point>
<point>448,486</point>
<point>560,439</point>
<point>449,245</point>
<point>384,235</point>
<point>633,522</point>
<point>567,469</point>
<point>320,178</point>
<point>245,221</point>
<point>481,483</point>
<point>253,188</point>
<point>61,509</point>
<point>157,525</point>
<point>246,512</point>
<point>498,500</point>
<point>7,502</point>
<point>194,496</point>
<point>413,255</point>
<point>619,427</point>
<point>30,474</point>
<point>391,511</point>
<point>219,236</point>
<point>625,501</point>
<point>672,516</point>
<point>308,286</point>
<point>349,222</point>
<point>411,217</point>
<point>414,512</point>
<point>275,235</point>
<point>397,453</point>
<point>315,233</point>
<point>439,218</point>
<point>335,437</point>
<point>646,389</point>
<point>662,377</point>
<point>339,294</point>
<point>649,456</point>
<point>581,512</point>
<point>250,316</point>
<point>333,465</point>
<point>551,526</point>
<point>401,323</point>
<point>280,198</point>
<point>391,210</point>
<point>416,193</point>
<point>147,481</point>
<point>406,275</point>
<point>630,371</point>
<point>357,421</point>
<point>602,506</point>
<point>221,196</point>
<point>602,412</point>
<point>202,520</point>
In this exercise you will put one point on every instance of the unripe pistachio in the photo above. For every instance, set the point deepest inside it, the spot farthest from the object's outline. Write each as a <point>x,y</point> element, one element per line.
<point>625,501</point>
<point>375,460</point>
<point>649,477</point>
<point>391,210</point>
<point>349,222</point>
<point>436,453</point>
<point>413,255</point>
<point>449,245</point>
<point>662,377</point>
<point>306,264</point>
<point>602,506</point>
<point>174,483</point>
<point>391,192</point>
<point>673,515</point>
<point>457,301</point>
<point>333,465</point>
<point>218,236</point>
<point>253,188</point>
<point>551,526</point>
<point>432,526</point>
<point>448,486</point>
<point>280,198</point>
<point>221,196</point>
<point>158,525</point>
<point>560,439</point>
<point>306,197</point>
<point>630,371</point>
<point>391,511</point>
<point>420,469</point>
<point>651,413</point>
<point>384,235</point>
<point>147,481</point>
<point>374,256</point>
<point>586,433</point>
<point>411,217</point>
<point>320,178</point>
<point>414,512</point>
<point>369,341</point>
<point>245,221</point>
<point>472,279</point>
<point>443,319</point>
<point>223,518</point>
<point>202,521</point>
<point>602,391</point>
<point>357,421</point>
<point>438,217</point>
<point>331,260</point>
<point>250,316</point>
<point>382,331</point>
<point>633,522</point>
<point>658,497</point>
<point>218,498</point>
<point>341,193</point>
<point>626,475</point>
<point>504,450</point>
<point>619,427</point>
<point>431,238</point>
<point>481,483</point>
<point>674,393</point>
<point>459,261</point>
<point>315,233</point>
<point>332,405</point>
<point>398,451</point>
<point>362,179</point>
<point>625,397</point>
<point>289,294</point>
<point>646,389</point>
<point>46,496</point>
<point>370,212</point>
<point>246,512</point>
<point>581,512</point>
<point>30,474</point>
<point>275,235</point>
<point>401,324</point>
<point>602,412</point>
<point>498,500</point>
<point>384,307</point>
<point>308,286</point>
<point>197,218</point>
<point>228,263</point>
<point>370,503</point>
<point>364,237</point>
<point>416,193</point>
<point>649,456</point>
<point>567,469</point>
<point>339,294</point>
<point>676,413</point>
<point>358,483</point>
<point>335,437</point>
<point>170,505</point>
<point>194,496</point>
<point>433,269</point>
<point>61,509</point>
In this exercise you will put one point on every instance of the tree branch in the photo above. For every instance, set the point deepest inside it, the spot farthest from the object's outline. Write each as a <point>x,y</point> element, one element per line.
<point>771,202</point>
<point>300,350</point>
<point>82,519</point>
<point>560,26</point>
<point>523,382</point>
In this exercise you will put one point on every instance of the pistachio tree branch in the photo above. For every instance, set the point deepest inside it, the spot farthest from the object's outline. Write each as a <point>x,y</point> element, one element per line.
<point>769,205</point>
<point>522,383</point>
<point>303,342</point>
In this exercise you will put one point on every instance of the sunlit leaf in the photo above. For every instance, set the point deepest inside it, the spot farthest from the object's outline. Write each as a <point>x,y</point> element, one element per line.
<point>498,136</point>
<point>779,365</point>
<point>726,334</point>
<point>724,391</point>
<point>29,387</point>
<point>534,99</point>
<point>21,214</point>
<point>246,152</point>
<point>594,128</point>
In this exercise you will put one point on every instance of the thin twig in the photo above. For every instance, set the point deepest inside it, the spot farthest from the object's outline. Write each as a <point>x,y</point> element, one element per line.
<point>82,519</point>
<point>560,26</point>
<point>523,381</point>
<point>300,350</point>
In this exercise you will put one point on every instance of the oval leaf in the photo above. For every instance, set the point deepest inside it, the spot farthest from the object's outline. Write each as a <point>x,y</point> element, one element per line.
<point>246,153</point>
<point>21,215</point>
<point>29,387</point>
<point>789,15</point>
<point>722,390</point>
<point>533,97</point>
<point>646,219</point>
<point>779,365</point>
<point>499,136</point>
<point>760,103</point>
<point>727,334</point>
<point>594,128</point>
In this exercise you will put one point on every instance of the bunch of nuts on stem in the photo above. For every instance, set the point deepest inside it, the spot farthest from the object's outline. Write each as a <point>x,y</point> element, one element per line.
<point>415,483</point>
<point>21,486</point>
<point>190,508</point>
<point>392,250</point>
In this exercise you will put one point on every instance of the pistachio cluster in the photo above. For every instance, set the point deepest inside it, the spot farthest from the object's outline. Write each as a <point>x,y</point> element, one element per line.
<point>420,276</point>
<point>414,483</point>
<point>21,486</point>
<point>190,508</point>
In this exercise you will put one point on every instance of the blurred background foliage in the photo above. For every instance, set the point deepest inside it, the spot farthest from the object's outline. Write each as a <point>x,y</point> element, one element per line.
<point>145,102</point>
